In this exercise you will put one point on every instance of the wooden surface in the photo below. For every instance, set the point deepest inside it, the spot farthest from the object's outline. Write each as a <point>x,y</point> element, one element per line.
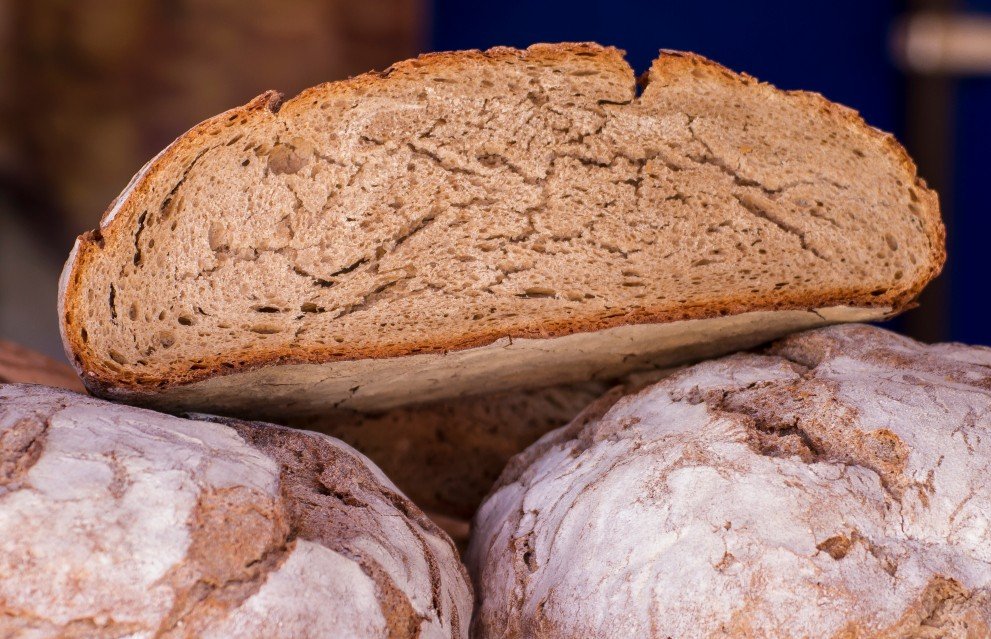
<point>22,365</point>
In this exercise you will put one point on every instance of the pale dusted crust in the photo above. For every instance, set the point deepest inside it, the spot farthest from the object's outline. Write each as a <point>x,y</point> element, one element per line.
<point>123,213</point>
<point>833,486</point>
<point>117,521</point>
<point>20,365</point>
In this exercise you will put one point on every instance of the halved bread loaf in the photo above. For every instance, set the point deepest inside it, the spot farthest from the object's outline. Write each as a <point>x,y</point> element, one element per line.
<point>478,221</point>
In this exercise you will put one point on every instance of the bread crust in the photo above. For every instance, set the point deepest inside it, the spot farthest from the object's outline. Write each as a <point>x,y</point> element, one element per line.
<point>446,455</point>
<point>121,216</point>
<point>278,393</point>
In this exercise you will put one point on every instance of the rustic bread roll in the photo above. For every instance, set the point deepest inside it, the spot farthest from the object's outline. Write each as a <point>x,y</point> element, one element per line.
<point>446,455</point>
<point>117,521</point>
<point>835,487</point>
<point>474,222</point>
<point>22,365</point>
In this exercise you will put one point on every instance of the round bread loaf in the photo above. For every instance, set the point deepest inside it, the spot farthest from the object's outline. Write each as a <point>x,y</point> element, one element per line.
<point>836,486</point>
<point>117,521</point>
<point>447,454</point>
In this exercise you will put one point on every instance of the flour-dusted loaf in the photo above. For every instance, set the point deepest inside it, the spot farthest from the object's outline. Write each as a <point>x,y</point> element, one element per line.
<point>23,365</point>
<point>475,221</point>
<point>117,521</point>
<point>836,486</point>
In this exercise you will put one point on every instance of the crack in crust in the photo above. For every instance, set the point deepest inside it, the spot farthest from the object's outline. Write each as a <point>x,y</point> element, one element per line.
<point>20,447</point>
<point>333,498</point>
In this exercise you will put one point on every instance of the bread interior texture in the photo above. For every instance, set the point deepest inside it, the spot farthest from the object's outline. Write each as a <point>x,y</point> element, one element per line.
<point>459,198</point>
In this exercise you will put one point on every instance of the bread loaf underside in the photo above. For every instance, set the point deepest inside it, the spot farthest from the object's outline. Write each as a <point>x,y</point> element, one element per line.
<point>444,223</point>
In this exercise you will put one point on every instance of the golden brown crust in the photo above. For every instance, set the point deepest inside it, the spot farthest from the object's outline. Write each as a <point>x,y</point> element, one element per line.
<point>122,213</point>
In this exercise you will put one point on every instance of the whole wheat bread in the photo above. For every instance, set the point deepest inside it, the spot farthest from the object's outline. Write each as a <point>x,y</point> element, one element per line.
<point>477,221</point>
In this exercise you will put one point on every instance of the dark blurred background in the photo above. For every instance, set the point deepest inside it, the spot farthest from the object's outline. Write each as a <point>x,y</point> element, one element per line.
<point>90,89</point>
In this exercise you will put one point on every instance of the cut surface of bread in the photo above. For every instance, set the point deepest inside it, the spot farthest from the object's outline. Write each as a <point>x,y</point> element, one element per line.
<point>330,244</point>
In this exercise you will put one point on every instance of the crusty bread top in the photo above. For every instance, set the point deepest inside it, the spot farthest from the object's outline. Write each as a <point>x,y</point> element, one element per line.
<point>857,230</point>
<point>117,521</point>
<point>834,486</point>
